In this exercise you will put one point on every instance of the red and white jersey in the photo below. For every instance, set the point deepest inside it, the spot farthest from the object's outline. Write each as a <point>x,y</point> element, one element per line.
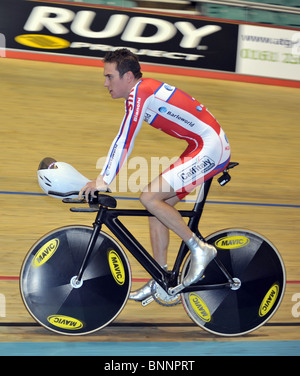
<point>166,108</point>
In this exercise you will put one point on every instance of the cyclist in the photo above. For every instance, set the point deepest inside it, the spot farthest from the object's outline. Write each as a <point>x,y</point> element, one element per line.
<point>174,112</point>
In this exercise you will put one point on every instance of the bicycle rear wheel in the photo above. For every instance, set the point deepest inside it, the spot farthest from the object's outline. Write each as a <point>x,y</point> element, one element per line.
<point>259,270</point>
<point>49,291</point>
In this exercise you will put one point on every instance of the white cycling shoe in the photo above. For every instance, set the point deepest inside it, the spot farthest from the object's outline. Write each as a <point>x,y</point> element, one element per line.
<point>201,255</point>
<point>146,291</point>
<point>142,293</point>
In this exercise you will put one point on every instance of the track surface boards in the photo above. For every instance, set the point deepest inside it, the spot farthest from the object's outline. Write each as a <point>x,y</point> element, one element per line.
<point>63,111</point>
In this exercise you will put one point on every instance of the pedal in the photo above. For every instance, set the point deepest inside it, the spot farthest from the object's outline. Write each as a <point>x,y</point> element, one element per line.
<point>147,301</point>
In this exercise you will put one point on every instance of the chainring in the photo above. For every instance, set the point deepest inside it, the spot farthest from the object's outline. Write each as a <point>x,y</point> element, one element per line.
<point>162,297</point>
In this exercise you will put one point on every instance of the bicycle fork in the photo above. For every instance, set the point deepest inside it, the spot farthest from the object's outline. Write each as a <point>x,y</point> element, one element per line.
<point>76,281</point>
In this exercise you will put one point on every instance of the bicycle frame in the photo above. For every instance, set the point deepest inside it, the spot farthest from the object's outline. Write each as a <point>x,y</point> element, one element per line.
<point>166,279</point>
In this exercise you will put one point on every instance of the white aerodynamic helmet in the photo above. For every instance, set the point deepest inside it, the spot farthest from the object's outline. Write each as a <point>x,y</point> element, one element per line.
<point>59,177</point>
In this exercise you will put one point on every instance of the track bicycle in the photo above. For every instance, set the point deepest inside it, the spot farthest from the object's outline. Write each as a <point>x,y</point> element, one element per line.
<point>76,279</point>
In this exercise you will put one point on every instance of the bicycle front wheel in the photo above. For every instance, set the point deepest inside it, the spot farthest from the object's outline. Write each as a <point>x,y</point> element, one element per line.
<point>48,281</point>
<point>258,269</point>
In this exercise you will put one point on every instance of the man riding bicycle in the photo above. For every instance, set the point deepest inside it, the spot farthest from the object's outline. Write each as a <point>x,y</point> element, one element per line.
<point>176,113</point>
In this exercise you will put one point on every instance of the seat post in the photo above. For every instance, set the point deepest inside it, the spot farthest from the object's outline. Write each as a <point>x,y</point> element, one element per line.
<point>202,195</point>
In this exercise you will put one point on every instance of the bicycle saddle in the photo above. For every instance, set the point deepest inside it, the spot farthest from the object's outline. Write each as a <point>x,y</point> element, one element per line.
<point>225,177</point>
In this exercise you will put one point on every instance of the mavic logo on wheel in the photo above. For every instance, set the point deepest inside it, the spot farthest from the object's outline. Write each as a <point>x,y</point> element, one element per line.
<point>116,267</point>
<point>45,252</point>
<point>199,307</point>
<point>269,300</point>
<point>231,242</point>
<point>65,322</point>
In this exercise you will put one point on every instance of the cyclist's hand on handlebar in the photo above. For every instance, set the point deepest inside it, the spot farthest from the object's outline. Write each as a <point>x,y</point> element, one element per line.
<point>89,189</point>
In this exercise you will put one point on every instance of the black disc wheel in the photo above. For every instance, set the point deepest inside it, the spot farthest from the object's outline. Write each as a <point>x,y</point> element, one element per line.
<point>259,284</point>
<point>53,295</point>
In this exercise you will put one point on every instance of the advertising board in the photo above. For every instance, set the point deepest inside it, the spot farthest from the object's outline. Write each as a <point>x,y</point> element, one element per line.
<point>268,52</point>
<point>90,31</point>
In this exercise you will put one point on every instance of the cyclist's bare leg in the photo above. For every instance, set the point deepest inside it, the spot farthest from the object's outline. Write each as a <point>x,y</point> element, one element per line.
<point>157,198</point>
<point>159,235</point>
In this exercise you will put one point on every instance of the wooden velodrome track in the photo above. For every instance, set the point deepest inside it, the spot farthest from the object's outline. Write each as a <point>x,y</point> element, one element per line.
<point>64,111</point>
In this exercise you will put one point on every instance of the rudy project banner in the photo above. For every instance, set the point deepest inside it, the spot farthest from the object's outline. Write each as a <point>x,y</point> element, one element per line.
<point>91,31</point>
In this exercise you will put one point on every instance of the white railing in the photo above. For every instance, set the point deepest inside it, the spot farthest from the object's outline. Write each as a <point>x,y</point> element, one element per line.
<point>253,5</point>
<point>234,3</point>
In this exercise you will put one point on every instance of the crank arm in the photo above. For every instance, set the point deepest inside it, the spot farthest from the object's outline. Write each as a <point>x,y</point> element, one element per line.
<point>175,290</point>
<point>147,301</point>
